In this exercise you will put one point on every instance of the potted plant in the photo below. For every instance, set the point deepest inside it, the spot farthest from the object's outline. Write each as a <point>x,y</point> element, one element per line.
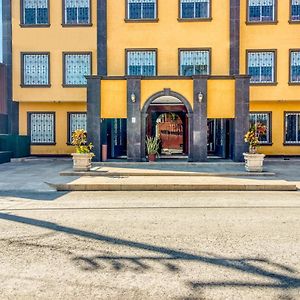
<point>82,158</point>
<point>253,160</point>
<point>152,145</point>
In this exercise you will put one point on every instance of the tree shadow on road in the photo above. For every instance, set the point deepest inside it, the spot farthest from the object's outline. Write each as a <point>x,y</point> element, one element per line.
<point>282,278</point>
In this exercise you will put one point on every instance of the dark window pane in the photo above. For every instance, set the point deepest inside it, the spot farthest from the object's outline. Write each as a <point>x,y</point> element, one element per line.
<point>30,17</point>
<point>254,72</point>
<point>83,15</point>
<point>135,11</point>
<point>187,70</point>
<point>148,71</point>
<point>296,12</point>
<point>42,15</point>
<point>148,11</point>
<point>187,10</point>
<point>71,15</point>
<point>267,13</point>
<point>291,133</point>
<point>135,70</point>
<point>296,73</point>
<point>201,10</point>
<point>266,74</point>
<point>201,70</point>
<point>254,13</point>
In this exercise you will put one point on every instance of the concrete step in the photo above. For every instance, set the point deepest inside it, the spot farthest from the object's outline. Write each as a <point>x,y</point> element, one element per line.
<point>166,183</point>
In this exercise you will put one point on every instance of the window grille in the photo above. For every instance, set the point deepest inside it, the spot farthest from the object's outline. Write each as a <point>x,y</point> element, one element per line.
<point>77,66</point>
<point>141,9</point>
<point>261,10</point>
<point>261,67</point>
<point>194,62</point>
<point>264,119</point>
<point>42,129</point>
<point>76,121</point>
<point>295,10</point>
<point>141,63</point>
<point>194,9</point>
<point>35,12</point>
<point>292,127</point>
<point>36,69</point>
<point>77,12</point>
<point>295,67</point>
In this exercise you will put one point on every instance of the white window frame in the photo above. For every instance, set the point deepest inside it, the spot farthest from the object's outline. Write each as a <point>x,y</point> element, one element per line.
<point>141,1</point>
<point>297,114</point>
<point>274,3</point>
<point>195,1</point>
<point>71,127</point>
<point>77,8</point>
<point>269,126</point>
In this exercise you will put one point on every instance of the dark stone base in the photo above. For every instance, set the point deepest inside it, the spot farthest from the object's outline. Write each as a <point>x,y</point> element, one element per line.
<point>3,124</point>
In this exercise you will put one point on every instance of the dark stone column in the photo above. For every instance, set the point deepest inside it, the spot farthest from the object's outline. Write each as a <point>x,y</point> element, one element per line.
<point>135,141</point>
<point>241,121</point>
<point>12,107</point>
<point>93,114</point>
<point>102,36</point>
<point>198,151</point>
<point>234,37</point>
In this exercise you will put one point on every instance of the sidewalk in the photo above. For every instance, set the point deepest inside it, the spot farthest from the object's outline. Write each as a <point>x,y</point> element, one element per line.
<point>31,174</point>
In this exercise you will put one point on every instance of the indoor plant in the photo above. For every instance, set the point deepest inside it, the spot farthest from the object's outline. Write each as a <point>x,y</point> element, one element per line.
<point>152,145</point>
<point>82,158</point>
<point>254,160</point>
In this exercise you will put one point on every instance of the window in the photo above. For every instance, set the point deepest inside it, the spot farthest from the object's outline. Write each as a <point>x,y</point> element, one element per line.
<point>261,66</point>
<point>261,10</point>
<point>76,121</point>
<point>141,9</point>
<point>292,128</point>
<point>35,69</point>
<point>295,66</point>
<point>195,9</point>
<point>141,63</point>
<point>194,62</point>
<point>264,119</point>
<point>76,67</point>
<point>77,12</point>
<point>42,128</point>
<point>34,12</point>
<point>295,10</point>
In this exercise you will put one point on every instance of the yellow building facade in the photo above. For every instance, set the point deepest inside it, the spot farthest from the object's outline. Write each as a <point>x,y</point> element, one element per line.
<point>147,61</point>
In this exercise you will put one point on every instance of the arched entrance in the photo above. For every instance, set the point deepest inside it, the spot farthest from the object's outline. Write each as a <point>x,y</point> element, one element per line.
<point>169,115</point>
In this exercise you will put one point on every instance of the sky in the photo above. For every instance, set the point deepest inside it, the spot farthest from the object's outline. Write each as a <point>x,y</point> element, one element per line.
<point>0,30</point>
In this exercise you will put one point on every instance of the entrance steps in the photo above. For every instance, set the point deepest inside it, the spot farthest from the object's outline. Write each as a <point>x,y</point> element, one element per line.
<point>139,177</point>
<point>172,183</point>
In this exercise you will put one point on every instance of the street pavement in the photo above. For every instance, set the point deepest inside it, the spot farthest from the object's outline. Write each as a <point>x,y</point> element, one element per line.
<point>141,245</point>
<point>145,245</point>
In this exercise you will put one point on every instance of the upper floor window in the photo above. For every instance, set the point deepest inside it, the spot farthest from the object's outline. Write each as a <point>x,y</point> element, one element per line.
<point>295,10</point>
<point>141,9</point>
<point>77,12</point>
<point>76,67</point>
<point>292,128</point>
<point>295,66</point>
<point>35,12</point>
<point>194,62</point>
<point>261,66</point>
<point>261,10</point>
<point>194,9</point>
<point>41,127</point>
<point>265,120</point>
<point>141,63</point>
<point>77,120</point>
<point>35,69</point>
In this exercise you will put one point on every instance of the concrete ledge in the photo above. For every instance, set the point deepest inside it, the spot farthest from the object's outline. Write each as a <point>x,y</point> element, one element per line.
<point>167,184</point>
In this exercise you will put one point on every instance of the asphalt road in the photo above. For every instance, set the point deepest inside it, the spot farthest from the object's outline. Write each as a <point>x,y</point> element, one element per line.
<point>162,245</point>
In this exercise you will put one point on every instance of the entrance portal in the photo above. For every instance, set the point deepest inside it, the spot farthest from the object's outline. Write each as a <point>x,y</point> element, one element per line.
<point>167,118</point>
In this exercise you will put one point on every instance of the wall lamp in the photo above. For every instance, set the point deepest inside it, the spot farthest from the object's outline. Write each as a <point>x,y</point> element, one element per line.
<point>133,99</point>
<point>200,97</point>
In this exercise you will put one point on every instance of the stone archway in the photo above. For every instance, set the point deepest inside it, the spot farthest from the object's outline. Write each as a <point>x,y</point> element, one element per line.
<point>144,114</point>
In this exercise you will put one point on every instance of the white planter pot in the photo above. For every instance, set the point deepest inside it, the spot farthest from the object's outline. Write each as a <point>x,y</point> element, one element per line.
<point>254,162</point>
<point>82,162</point>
